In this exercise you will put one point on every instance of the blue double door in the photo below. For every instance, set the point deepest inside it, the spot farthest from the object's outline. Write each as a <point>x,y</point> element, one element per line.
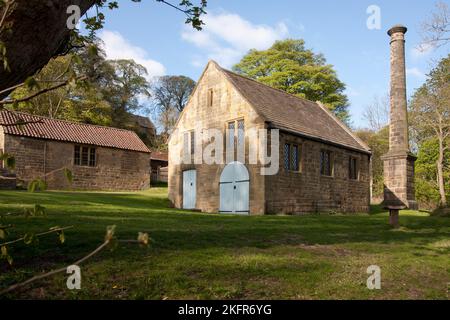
<point>234,189</point>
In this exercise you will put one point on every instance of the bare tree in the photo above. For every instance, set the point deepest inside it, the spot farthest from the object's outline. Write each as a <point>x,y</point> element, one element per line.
<point>170,95</point>
<point>435,31</point>
<point>377,113</point>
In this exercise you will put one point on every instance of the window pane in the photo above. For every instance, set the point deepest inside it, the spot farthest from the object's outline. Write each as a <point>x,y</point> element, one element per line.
<point>328,163</point>
<point>76,156</point>
<point>92,157</point>
<point>84,156</point>
<point>287,152</point>
<point>241,133</point>
<point>325,163</point>
<point>192,142</point>
<point>186,143</point>
<point>294,158</point>
<point>231,128</point>
<point>352,168</point>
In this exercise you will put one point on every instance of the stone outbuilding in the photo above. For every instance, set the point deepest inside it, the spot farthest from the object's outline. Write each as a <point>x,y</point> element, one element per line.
<point>99,158</point>
<point>322,165</point>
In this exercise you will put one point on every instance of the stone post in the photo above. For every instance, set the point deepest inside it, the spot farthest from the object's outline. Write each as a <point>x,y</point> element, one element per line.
<point>398,162</point>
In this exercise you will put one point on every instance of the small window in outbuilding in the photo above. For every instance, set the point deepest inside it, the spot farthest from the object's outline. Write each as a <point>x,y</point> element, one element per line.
<point>84,156</point>
<point>353,168</point>
<point>77,156</point>
<point>326,166</point>
<point>210,97</point>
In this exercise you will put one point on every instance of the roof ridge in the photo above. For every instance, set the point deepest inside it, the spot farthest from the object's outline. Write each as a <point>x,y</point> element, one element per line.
<point>263,84</point>
<point>66,121</point>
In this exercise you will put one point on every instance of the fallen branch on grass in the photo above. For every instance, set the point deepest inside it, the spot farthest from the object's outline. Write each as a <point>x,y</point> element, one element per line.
<point>142,239</point>
<point>51,273</point>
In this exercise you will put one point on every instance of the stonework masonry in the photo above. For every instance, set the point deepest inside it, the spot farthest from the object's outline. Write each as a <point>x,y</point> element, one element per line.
<point>116,169</point>
<point>287,192</point>
<point>398,162</point>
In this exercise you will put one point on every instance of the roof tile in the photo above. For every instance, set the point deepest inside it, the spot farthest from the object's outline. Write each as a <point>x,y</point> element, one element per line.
<point>62,130</point>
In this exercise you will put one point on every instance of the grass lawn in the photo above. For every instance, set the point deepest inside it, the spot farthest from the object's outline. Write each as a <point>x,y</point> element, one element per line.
<point>197,256</point>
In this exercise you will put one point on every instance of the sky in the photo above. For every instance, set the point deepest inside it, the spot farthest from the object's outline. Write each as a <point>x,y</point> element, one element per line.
<point>155,36</point>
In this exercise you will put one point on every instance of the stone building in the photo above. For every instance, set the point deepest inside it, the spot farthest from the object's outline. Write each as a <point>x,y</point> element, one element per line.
<point>100,158</point>
<point>322,166</point>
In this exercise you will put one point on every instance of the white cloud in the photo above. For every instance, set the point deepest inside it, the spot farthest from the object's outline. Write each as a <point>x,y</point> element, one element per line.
<point>226,37</point>
<point>415,72</point>
<point>117,47</point>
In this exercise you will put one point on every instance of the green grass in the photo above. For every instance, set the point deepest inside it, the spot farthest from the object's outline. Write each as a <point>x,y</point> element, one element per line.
<point>210,256</point>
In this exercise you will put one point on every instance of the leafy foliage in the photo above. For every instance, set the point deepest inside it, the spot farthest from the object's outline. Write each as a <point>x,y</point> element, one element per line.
<point>170,95</point>
<point>379,144</point>
<point>110,92</point>
<point>430,118</point>
<point>289,66</point>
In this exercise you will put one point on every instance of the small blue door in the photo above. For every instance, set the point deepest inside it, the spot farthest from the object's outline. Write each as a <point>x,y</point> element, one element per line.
<point>189,189</point>
<point>234,189</point>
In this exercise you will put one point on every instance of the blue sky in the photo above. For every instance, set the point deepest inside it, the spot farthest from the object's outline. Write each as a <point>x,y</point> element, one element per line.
<point>155,35</point>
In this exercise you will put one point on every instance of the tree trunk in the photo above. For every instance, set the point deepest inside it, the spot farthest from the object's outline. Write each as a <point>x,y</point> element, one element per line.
<point>33,32</point>
<point>440,174</point>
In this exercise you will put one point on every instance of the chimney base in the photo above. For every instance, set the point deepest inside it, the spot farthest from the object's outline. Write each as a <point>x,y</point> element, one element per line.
<point>399,190</point>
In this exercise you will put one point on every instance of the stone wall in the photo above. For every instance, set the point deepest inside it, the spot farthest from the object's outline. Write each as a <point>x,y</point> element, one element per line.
<point>307,191</point>
<point>286,192</point>
<point>227,105</point>
<point>115,170</point>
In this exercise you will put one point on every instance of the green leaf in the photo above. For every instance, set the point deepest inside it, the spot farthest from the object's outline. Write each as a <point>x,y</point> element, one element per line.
<point>31,83</point>
<point>110,230</point>
<point>143,238</point>
<point>9,259</point>
<point>10,163</point>
<point>4,251</point>
<point>32,186</point>
<point>42,185</point>
<point>68,175</point>
<point>62,237</point>
<point>28,238</point>
<point>39,210</point>
<point>2,234</point>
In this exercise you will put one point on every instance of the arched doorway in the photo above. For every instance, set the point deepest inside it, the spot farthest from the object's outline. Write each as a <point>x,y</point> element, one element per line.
<point>234,189</point>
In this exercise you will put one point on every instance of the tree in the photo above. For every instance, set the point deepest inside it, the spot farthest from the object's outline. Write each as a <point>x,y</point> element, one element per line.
<point>430,116</point>
<point>25,26</point>
<point>127,87</point>
<point>112,89</point>
<point>426,181</point>
<point>436,30</point>
<point>80,101</point>
<point>170,95</point>
<point>377,113</point>
<point>378,141</point>
<point>289,66</point>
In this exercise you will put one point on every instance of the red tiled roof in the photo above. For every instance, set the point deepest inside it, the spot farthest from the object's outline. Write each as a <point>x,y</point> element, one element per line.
<point>160,156</point>
<point>61,130</point>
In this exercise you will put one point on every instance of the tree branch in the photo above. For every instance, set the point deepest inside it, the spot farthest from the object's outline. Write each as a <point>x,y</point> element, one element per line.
<point>50,273</point>
<point>38,93</point>
<point>37,235</point>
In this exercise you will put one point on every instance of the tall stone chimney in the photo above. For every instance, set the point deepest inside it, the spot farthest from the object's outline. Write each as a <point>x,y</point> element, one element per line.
<point>398,162</point>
